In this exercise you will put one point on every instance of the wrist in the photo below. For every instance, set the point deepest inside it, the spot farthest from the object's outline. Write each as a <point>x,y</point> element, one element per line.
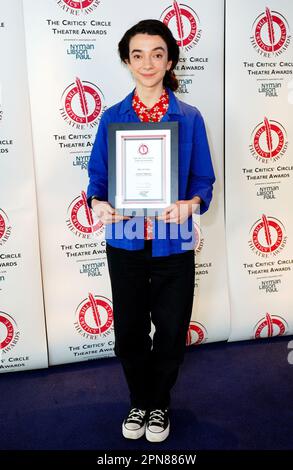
<point>195,200</point>
<point>93,200</point>
<point>195,204</point>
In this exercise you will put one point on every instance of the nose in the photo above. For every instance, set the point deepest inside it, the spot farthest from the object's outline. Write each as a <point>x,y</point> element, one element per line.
<point>147,62</point>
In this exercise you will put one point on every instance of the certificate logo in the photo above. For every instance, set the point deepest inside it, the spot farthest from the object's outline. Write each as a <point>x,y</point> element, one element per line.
<point>82,104</point>
<point>78,7</point>
<point>143,149</point>
<point>270,34</point>
<point>81,220</point>
<point>267,237</point>
<point>268,141</point>
<point>184,24</point>
<point>94,317</point>
<point>9,333</point>
<point>197,334</point>
<point>5,228</point>
<point>269,326</point>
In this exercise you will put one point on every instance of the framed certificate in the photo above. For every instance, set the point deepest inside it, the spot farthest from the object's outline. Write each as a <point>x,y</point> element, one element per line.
<point>142,167</point>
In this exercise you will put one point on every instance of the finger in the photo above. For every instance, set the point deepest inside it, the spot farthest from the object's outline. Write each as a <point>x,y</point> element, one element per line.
<point>172,220</point>
<point>166,212</point>
<point>102,213</point>
<point>168,209</point>
<point>118,218</point>
<point>108,208</point>
<point>169,219</point>
<point>163,217</point>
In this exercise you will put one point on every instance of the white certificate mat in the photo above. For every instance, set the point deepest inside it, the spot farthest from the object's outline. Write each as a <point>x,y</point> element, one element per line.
<point>143,165</point>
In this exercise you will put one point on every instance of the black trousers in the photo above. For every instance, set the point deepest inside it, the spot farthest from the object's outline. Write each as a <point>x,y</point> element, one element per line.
<point>145,289</point>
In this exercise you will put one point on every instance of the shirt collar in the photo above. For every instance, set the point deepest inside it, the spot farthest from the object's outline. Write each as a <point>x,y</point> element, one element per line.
<point>174,104</point>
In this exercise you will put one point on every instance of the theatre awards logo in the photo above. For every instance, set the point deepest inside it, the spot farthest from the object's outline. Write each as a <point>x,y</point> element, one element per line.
<point>9,333</point>
<point>270,34</point>
<point>5,228</point>
<point>268,141</point>
<point>82,104</point>
<point>81,219</point>
<point>94,317</point>
<point>267,236</point>
<point>199,240</point>
<point>184,24</point>
<point>1,100</point>
<point>270,325</point>
<point>77,8</point>
<point>197,334</point>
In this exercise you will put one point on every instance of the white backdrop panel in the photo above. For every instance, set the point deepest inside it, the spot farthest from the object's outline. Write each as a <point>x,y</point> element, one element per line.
<point>259,167</point>
<point>22,325</point>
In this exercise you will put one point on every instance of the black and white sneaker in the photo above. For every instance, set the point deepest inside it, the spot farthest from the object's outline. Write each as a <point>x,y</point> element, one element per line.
<point>133,427</point>
<point>158,426</point>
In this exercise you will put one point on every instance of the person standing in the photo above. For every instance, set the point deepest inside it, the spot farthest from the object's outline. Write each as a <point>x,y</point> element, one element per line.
<point>152,277</point>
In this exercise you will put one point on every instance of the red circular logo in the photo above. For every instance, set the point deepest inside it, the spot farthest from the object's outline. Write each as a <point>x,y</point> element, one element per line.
<point>82,104</point>
<point>78,5</point>
<point>270,32</point>
<point>143,149</point>
<point>183,22</point>
<point>5,229</point>
<point>270,325</point>
<point>2,226</point>
<point>82,218</point>
<point>8,332</point>
<point>196,334</point>
<point>268,236</point>
<point>199,240</point>
<point>94,316</point>
<point>75,7</point>
<point>269,141</point>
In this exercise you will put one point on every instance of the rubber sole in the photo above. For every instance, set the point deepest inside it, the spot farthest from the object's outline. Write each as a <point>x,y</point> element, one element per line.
<point>133,433</point>
<point>157,436</point>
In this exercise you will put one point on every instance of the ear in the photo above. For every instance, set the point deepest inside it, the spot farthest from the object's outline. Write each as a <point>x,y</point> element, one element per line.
<point>128,64</point>
<point>169,65</point>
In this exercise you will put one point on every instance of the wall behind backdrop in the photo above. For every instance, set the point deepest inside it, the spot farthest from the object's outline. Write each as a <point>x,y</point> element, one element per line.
<point>61,72</point>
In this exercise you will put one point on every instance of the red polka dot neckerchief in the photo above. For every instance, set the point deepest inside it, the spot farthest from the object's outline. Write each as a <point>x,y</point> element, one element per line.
<point>154,114</point>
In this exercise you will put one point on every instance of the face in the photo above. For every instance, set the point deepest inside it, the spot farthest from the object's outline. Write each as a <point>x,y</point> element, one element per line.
<point>148,59</point>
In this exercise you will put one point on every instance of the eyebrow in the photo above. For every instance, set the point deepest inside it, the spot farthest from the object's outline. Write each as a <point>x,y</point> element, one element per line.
<point>159,48</point>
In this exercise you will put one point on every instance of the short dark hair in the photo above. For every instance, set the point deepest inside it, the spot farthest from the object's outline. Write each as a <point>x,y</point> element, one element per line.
<point>153,28</point>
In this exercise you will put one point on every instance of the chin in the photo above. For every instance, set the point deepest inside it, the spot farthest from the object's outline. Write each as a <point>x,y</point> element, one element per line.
<point>151,83</point>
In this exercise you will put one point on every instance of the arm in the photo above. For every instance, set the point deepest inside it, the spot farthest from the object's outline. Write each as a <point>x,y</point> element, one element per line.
<point>201,177</point>
<point>98,175</point>
<point>200,182</point>
<point>98,164</point>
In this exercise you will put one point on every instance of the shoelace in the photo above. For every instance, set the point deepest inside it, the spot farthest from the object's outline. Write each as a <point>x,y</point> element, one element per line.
<point>136,414</point>
<point>157,417</point>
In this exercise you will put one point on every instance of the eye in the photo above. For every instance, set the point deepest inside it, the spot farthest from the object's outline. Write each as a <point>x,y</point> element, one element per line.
<point>158,56</point>
<point>136,56</point>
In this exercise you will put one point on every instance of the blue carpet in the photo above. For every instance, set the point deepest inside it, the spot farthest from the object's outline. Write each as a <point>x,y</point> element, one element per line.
<point>235,396</point>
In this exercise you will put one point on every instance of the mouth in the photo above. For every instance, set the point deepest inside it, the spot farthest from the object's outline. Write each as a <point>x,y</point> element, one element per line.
<point>147,75</point>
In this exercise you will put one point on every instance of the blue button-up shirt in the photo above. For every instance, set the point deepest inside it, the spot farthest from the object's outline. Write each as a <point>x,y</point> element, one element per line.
<point>195,172</point>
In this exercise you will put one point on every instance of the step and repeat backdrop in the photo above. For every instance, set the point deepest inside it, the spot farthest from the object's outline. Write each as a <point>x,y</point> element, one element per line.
<point>259,167</point>
<point>61,72</point>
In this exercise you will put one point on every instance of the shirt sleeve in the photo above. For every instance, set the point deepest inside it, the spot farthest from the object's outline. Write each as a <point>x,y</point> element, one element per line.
<point>201,175</point>
<point>98,163</point>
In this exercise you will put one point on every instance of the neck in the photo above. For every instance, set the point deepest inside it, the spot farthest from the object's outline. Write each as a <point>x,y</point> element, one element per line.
<point>149,96</point>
